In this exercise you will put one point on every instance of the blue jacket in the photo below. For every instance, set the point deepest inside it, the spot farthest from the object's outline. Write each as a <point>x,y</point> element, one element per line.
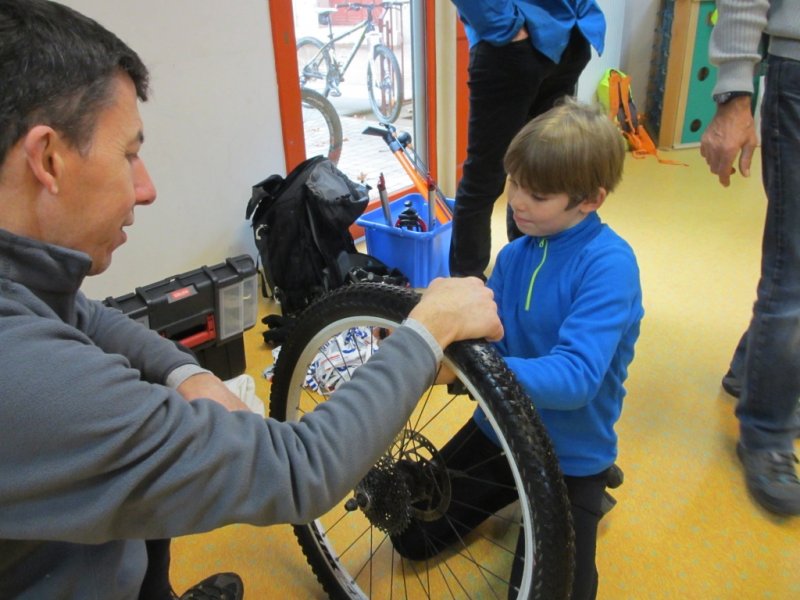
<point>549,22</point>
<point>571,306</point>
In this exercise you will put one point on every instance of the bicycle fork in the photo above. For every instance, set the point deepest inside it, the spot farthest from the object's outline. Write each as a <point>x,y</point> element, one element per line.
<point>373,41</point>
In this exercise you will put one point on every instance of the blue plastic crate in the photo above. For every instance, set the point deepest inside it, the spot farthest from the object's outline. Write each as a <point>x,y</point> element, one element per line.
<point>420,256</point>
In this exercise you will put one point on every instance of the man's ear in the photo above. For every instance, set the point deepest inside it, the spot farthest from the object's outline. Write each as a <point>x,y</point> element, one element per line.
<point>592,203</point>
<point>43,147</point>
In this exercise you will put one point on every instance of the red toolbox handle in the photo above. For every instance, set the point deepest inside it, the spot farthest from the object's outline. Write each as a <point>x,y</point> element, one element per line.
<point>194,340</point>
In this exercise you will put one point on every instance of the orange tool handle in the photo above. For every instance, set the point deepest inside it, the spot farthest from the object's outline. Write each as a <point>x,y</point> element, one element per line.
<point>443,214</point>
<point>418,182</point>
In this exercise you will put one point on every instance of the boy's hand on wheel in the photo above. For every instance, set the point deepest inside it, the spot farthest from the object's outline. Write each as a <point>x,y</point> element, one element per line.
<point>458,308</point>
<point>444,376</point>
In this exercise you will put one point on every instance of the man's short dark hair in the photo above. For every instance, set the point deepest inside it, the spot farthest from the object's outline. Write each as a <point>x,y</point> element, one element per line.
<point>57,68</point>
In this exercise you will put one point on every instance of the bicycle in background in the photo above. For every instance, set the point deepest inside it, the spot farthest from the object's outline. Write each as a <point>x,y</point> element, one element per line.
<point>321,69</point>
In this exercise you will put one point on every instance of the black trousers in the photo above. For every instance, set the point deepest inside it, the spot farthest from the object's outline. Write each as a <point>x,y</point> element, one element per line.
<point>156,584</point>
<point>508,86</point>
<point>585,498</point>
<point>481,485</point>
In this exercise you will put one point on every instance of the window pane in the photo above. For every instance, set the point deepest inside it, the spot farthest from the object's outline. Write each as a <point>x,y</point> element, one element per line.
<point>355,72</point>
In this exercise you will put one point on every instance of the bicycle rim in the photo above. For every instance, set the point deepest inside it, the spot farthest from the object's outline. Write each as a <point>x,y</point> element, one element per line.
<point>386,87</point>
<point>322,128</point>
<point>350,549</point>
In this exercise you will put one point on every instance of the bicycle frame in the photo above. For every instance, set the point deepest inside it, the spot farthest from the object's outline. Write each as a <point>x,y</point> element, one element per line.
<point>319,64</point>
<point>368,26</point>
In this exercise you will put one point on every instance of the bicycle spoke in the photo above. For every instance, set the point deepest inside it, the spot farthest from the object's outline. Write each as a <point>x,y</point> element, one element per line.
<point>368,561</point>
<point>434,416</point>
<point>466,554</point>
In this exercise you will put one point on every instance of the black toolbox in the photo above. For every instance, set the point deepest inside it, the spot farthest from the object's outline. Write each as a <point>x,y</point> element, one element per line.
<point>206,310</point>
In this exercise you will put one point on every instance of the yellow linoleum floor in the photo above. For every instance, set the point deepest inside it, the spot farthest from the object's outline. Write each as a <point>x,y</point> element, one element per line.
<point>684,526</point>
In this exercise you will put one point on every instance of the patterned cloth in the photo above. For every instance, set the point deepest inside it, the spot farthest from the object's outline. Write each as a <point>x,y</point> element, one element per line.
<point>336,360</point>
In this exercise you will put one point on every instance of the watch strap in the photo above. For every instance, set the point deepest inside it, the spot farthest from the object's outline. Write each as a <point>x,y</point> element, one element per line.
<point>726,97</point>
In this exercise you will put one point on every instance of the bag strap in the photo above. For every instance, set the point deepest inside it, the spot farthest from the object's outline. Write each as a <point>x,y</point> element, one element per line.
<point>624,111</point>
<point>263,189</point>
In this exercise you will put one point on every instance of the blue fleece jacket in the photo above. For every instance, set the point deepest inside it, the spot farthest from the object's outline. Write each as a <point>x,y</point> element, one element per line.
<point>571,305</point>
<point>549,22</point>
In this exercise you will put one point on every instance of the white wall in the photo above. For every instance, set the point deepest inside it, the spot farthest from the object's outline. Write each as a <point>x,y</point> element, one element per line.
<point>212,129</point>
<point>614,11</point>
<point>641,21</point>
<point>630,32</point>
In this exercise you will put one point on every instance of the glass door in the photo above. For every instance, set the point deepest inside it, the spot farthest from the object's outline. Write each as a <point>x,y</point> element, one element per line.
<point>352,78</point>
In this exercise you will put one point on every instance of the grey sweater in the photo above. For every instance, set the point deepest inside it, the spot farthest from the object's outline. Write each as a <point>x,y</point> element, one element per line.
<point>735,38</point>
<point>96,455</point>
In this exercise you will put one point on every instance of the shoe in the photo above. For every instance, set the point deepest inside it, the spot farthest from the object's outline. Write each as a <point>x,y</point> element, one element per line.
<point>222,586</point>
<point>771,479</point>
<point>607,503</point>
<point>731,384</point>
<point>615,477</point>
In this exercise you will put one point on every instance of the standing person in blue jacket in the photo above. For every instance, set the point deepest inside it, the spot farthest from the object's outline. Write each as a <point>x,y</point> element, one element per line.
<point>524,56</point>
<point>569,297</point>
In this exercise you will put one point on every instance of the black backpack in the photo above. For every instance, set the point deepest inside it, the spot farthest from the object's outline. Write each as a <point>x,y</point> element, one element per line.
<point>301,224</point>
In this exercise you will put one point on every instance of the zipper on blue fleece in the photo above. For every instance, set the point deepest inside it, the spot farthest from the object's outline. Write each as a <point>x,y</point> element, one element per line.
<point>542,244</point>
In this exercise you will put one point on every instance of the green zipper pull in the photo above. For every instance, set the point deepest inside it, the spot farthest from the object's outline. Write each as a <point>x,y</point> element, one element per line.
<point>542,244</point>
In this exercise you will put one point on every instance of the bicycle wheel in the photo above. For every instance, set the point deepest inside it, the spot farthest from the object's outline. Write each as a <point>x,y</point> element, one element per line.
<point>322,127</point>
<point>350,549</point>
<point>314,64</point>
<point>385,87</point>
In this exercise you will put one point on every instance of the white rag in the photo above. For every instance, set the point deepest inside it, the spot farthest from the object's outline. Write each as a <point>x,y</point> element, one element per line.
<point>244,387</point>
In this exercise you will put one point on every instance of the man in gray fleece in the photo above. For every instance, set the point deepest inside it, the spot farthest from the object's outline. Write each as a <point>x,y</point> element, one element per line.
<point>764,370</point>
<point>110,435</point>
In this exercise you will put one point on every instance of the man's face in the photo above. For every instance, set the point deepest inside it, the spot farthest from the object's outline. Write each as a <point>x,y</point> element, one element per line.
<point>101,188</point>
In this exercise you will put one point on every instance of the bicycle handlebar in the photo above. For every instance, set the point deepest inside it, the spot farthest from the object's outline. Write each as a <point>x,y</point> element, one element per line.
<point>371,7</point>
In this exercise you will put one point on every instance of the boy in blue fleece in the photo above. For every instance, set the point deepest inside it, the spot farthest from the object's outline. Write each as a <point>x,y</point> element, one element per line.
<point>570,300</point>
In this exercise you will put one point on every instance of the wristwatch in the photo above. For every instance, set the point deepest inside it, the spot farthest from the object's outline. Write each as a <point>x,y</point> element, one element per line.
<point>725,97</point>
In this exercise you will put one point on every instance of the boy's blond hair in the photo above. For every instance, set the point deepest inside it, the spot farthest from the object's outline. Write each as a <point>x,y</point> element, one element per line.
<point>573,148</point>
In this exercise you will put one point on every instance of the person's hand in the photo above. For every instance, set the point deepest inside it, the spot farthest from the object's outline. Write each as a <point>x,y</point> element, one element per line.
<point>206,385</point>
<point>458,308</point>
<point>522,34</point>
<point>732,130</point>
<point>444,376</point>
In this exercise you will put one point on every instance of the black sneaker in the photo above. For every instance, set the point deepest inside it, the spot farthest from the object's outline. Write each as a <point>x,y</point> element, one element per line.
<point>222,586</point>
<point>771,479</point>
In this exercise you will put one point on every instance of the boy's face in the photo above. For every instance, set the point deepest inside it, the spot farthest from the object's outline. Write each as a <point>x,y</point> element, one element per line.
<point>542,214</point>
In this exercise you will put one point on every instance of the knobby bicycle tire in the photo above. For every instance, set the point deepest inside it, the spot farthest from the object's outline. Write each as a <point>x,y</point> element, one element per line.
<point>314,104</point>
<point>314,66</point>
<point>350,548</point>
<point>385,87</point>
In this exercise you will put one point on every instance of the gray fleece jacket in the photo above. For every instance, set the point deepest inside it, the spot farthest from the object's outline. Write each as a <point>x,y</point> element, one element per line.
<point>735,38</point>
<point>97,455</point>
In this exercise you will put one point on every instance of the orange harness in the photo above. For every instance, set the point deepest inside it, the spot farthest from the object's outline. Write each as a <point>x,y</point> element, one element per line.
<point>623,112</point>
